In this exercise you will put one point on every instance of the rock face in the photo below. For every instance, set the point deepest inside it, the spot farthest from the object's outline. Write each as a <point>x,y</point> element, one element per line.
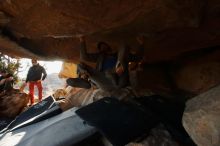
<point>186,80</point>
<point>174,31</point>
<point>201,118</point>
<point>158,136</point>
<point>198,78</point>
<point>12,104</point>
<point>49,29</point>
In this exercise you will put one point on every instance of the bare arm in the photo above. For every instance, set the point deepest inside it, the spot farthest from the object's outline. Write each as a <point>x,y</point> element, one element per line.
<point>44,73</point>
<point>28,76</point>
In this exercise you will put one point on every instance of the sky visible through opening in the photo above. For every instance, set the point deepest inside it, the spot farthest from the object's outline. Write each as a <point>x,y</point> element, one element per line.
<point>50,66</point>
<point>52,81</point>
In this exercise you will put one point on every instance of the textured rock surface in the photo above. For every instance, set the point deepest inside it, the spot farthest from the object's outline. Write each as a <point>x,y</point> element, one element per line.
<point>201,118</point>
<point>187,80</point>
<point>158,136</point>
<point>197,78</point>
<point>78,97</point>
<point>13,103</point>
<point>49,28</point>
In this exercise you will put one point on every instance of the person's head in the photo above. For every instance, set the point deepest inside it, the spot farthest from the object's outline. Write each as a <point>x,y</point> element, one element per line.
<point>104,48</point>
<point>34,61</point>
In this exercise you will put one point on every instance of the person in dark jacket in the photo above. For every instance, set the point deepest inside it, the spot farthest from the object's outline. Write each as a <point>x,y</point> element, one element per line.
<point>35,75</point>
<point>118,77</point>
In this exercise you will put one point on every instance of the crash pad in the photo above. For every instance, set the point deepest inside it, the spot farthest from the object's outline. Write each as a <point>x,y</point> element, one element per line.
<point>64,129</point>
<point>40,111</point>
<point>68,70</point>
<point>118,121</point>
<point>4,122</point>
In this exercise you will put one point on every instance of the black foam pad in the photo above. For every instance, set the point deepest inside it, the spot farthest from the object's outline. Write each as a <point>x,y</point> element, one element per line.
<point>119,122</point>
<point>42,110</point>
<point>4,122</point>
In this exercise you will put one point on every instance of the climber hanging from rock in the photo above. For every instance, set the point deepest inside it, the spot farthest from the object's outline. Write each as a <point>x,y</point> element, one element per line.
<point>112,69</point>
<point>105,61</point>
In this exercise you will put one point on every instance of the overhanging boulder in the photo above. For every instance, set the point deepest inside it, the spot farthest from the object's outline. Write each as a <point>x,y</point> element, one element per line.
<point>50,28</point>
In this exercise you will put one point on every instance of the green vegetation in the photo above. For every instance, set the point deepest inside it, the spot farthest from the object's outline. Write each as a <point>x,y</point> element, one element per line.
<point>11,65</point>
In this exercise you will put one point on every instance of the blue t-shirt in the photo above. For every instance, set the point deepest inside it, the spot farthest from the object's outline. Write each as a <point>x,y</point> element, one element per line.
<point>109,63</point>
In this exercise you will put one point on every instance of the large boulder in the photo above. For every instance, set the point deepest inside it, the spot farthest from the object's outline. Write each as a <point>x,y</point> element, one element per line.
<point>158,136</point>
<point>185,81</point>
<point>201,118</point>
<point>49,28</point>
<point>78,97</point>
<point>13,103</point>
<point>198,78</point>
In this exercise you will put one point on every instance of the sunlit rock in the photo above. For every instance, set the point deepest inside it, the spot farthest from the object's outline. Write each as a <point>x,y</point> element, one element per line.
<point>13,103</point>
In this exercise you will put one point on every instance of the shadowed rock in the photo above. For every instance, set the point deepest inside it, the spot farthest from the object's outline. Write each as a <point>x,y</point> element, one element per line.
<point>201,118</point>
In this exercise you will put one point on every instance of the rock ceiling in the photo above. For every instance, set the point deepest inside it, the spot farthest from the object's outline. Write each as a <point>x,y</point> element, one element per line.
<point>49,29</point>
